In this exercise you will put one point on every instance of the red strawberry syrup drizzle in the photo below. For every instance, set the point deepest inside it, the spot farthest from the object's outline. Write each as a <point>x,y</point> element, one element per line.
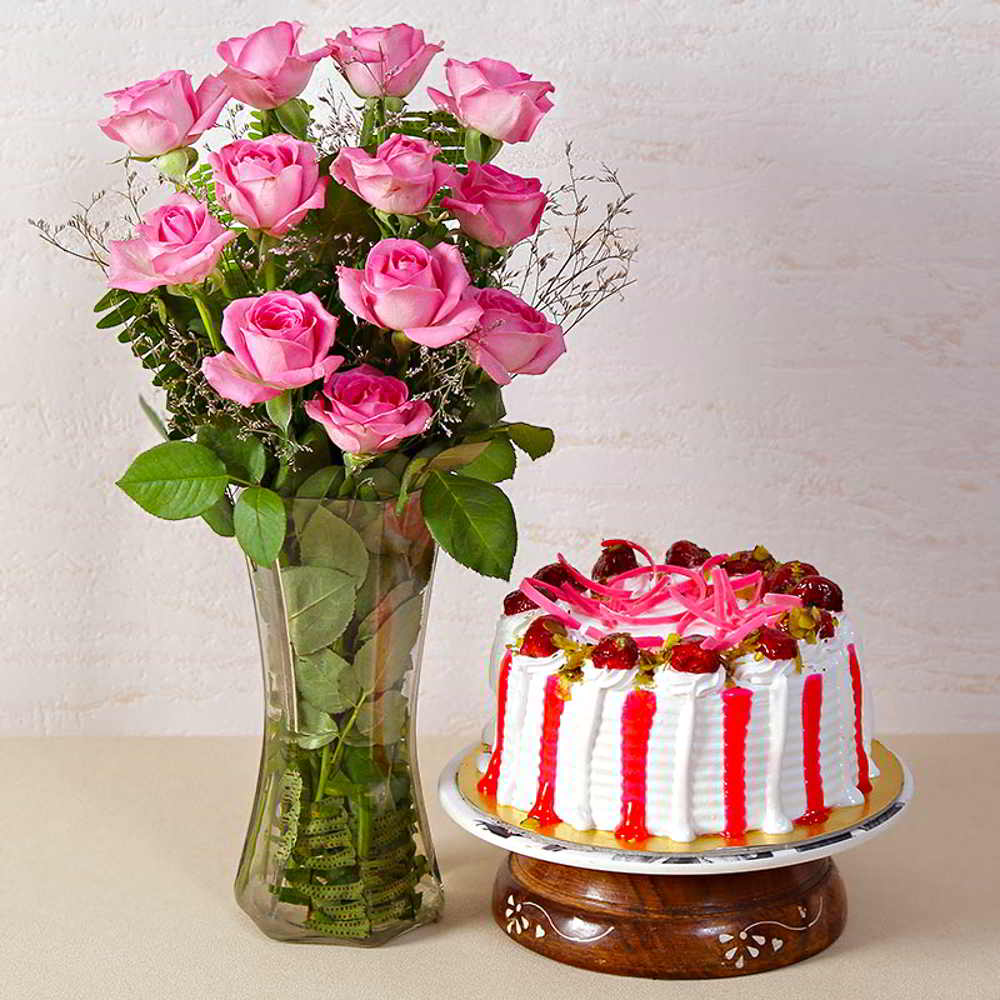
<point>543,810</point>
<point>488,782</point>
<point>812,709</point>
<point>735,724</point>
<point>637,720</point>
<point>864,782</point>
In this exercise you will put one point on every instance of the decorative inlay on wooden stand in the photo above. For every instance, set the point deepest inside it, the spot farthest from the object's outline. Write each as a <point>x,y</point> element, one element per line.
<point>693,912</point>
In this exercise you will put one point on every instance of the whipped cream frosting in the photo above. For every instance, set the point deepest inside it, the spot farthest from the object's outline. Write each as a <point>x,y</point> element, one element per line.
<point>685,767</point>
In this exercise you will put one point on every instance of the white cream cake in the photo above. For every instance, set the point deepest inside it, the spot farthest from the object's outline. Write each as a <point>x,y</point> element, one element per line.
<point>694,695</point>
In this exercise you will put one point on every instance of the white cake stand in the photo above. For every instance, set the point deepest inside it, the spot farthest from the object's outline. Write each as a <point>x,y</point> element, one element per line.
<point>671,914</point>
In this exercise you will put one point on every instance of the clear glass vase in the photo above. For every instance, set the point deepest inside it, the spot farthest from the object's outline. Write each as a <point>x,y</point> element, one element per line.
<point>338,849</point>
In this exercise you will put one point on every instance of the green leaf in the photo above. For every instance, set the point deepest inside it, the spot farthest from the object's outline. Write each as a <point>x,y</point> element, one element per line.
<point>381,612</point>
<point>319,603</point>
<point>362,768</point>
<point>327,681</point>
<point>245,458</point>
<point>487,407</point>
<point>534,441</point>
<point>154,418</point>
<point>316,728</point>
<point>385,658</point>
<point>176,479</point>
<point>259,520</point>
<point>396,463</point>
<point>472,521</point>
<point>385,573</point>
<point>109,299</point>
<point>279,410</point>
<point>457,457</point>
<point>384,483</point>
<point>381,721</point>
<point>495,464</point>
<point>219,517</point>
<point>327,540</point>
<point>120,314</point>
<point>345,212</point>
<point>321,484</point>
<point>293,116</point>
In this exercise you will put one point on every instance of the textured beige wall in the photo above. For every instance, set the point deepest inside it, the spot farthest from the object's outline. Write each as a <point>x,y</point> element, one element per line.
<point>809,358</point>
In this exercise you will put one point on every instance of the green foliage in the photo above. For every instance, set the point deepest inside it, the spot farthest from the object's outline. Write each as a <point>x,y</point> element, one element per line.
<point>316,728</point>
<point>175,480</point>
<point>279,409</point>
<point>293,117</point>
<point>472,521</point>
<point>219,517</point>
<point>327,681</point>
<point>496,463</point>
<point>319,603</point>
<point>244,457</point>
<point>259,521</point>
<point>327,540</point>
<point>322,483</point>
<point>384,658</point>
<point>534,441</point>
<point>154,418</point>
<point>380,721</point>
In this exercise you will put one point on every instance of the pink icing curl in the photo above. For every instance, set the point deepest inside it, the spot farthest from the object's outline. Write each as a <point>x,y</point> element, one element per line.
<point>593,585</point>
<point>708,596</point>
<point>546,605</point>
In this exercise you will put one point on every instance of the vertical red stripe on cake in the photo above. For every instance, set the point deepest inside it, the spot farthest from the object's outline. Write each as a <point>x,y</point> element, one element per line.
<point>736,703</point>
<point>812,710</point>
<point>488,782</point>
<point>864,782</point>
<point>637,720</point>
<point>543,811</point>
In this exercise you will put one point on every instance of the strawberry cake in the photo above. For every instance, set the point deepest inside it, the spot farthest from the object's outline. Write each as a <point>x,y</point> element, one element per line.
<point>692,695</point>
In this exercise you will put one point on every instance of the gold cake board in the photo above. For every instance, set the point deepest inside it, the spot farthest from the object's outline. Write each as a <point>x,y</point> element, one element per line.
<point>886,789</point>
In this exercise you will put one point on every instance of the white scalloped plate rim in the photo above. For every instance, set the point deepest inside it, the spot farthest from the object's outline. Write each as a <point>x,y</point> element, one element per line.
<point>722,861</point>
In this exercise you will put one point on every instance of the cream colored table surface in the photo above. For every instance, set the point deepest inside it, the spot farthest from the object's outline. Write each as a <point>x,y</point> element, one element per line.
<point>117,858</point>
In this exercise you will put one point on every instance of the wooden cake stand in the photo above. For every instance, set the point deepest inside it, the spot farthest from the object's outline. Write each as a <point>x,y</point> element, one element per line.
<point>668,910</point>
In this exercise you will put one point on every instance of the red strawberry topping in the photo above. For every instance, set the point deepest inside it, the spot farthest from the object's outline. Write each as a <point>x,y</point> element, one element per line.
<point>618,651</point>
<point>557,575</point>
<point>616,558</point>
<point>775,644</point>
<point>686,553</point>
<point>537,640</point>
<point>750,561</point>
<point>825,630</point>
<point>787,575</point>
<point>690,657</point>
<point>516,602</point>
<point>820,593</point>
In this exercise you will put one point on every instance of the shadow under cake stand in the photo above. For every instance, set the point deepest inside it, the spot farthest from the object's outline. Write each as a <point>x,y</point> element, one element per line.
<point>668,910</point>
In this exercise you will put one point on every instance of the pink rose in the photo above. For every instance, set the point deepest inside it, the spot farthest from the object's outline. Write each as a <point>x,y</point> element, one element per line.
<point>266,69</point>
<point>156,116</point>
<point>279,341</point>
<point>178,244</point>
<point>491,96</point>
<point>512,338</point>
<point>382,62</point>
<point>404,286</point>
<point>270,184</point>
<point>494,207</point>
<point>401,177</point>
<point>365,412</point>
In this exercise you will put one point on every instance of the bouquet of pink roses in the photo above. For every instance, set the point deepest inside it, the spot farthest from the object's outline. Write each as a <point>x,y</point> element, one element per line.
<point>331,304</point>
<point>340,291</point>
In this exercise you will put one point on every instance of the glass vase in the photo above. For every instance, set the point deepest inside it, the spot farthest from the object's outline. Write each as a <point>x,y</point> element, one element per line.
<point>338,848</point>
